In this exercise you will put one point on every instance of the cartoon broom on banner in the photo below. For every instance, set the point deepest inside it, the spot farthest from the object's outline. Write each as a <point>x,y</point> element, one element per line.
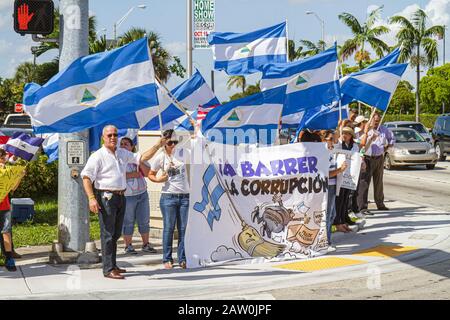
<point>249,239</point>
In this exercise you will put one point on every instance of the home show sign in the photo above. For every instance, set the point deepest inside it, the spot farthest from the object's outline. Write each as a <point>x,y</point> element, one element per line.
<point>204,22</point>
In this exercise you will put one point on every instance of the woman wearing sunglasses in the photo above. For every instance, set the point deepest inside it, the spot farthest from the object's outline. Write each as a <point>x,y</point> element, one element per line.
<point>174,202</point>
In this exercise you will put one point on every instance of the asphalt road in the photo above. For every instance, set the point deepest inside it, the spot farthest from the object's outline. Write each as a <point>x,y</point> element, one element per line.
<point>419,186</point>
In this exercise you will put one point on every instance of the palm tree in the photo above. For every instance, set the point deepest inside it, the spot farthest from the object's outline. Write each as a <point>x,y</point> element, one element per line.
<point>25,72</point>
<point>237,81</point>
<point>362,34</point>
<point>312,48</point>
<point>294,53</point>
<point>417,44</point>
<point>160,56</point>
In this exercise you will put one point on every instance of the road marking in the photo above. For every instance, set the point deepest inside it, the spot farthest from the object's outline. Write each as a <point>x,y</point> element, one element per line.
<point>384,251</point>
<point>320,264</point>
<point>422,236</point>
<point>415,177</point>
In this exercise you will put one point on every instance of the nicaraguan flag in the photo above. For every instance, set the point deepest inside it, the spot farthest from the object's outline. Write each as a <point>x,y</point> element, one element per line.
<point>93,90</point>
<point>253,119</point>
<point>191,94</point>
<point>375,86</point>
<point>390,59</point>
<point>311,82</point>
<point>23,146</point>
<point>245,53</point>
<point>211,193</point>
<point>322,118</point>
<point>50,146</point>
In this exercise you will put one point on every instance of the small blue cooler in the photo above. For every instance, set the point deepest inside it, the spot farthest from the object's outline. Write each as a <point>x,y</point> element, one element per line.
<point>22,209</point>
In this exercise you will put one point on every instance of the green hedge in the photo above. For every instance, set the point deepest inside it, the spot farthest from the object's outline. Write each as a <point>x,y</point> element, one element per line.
<point>40,180</point>
<point>427,119</point>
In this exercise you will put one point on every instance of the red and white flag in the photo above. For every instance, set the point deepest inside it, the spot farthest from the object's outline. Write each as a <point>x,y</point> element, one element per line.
<point>202,112</point>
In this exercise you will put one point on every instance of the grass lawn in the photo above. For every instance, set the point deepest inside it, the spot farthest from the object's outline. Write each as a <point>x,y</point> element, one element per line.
<point>43,229</point>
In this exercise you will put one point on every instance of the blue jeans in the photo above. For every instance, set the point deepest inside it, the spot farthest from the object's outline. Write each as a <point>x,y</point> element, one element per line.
<point>174,209</point>
<point>137,210</point>
<point>331,210</point>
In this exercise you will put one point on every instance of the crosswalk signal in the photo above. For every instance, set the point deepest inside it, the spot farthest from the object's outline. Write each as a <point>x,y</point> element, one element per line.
<point>33,17</point>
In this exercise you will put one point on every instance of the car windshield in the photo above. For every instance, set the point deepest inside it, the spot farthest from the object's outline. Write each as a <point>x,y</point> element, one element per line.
<point>407,136</point>
<point>416,126</point>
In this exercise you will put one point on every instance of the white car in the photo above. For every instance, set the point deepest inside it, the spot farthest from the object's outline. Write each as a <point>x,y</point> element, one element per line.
<point>419,127</point>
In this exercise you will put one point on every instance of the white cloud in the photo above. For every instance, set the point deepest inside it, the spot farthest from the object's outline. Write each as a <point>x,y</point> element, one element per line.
<point>223,253</point>
<point>176,48</point>
<point>6,4</point>
<point>438,11</point>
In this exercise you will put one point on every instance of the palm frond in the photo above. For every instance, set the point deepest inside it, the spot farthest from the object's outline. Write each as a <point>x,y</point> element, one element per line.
<point>349,47</point>
<point>351,22</point>
<point>374,16</point>
<point>430,46</point>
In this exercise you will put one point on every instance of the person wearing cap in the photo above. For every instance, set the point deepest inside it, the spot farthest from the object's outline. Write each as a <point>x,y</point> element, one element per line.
<point>359,124</point>
<point>375,141</point>
<point>104,181</point>
<point>342,221</point>
<point>174,201</point>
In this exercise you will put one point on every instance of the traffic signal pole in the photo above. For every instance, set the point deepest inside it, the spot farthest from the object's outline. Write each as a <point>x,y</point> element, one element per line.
<point>73,209</point>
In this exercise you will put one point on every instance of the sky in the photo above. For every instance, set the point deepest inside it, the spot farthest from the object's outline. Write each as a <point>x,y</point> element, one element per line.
<point>168,19</point>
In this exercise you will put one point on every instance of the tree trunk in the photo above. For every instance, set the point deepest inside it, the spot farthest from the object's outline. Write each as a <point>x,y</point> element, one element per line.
<point>418,86</point>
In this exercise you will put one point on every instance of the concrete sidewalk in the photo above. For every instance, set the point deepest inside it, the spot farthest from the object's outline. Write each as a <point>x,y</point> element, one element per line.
<point>404,237</point>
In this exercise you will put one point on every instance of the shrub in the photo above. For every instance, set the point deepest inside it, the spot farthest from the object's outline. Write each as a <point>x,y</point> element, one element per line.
<point>428,120</point>
<point>41,179</point>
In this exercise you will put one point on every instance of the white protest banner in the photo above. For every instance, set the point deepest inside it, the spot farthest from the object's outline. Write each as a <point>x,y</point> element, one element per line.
<point>349,179</point>
<point>204,22</point>
<point>258,203</point>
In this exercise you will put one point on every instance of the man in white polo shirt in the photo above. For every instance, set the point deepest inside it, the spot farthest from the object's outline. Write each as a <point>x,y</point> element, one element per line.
<point>106,169</point>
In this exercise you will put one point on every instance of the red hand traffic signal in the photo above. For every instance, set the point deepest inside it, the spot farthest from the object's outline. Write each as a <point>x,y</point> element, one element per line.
<point>33,16</point>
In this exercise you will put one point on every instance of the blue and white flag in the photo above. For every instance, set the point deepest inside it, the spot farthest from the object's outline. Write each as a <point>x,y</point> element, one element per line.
<point>211,193</point>
<point>245,53</point>
<point>375,86</point>
<point>253,119</point>
<point>322,118</point>
<point>311,82</point>
<point>50,146</point>
<point>93,90</point>
<point>191,94</point>
<point>22,145</point>
<point>390,59</point>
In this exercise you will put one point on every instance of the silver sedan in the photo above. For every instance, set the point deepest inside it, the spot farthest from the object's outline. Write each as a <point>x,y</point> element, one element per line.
<point>410,149</point>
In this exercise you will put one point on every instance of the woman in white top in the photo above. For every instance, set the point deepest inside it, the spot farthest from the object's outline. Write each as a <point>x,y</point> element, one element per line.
<point>174,202</point>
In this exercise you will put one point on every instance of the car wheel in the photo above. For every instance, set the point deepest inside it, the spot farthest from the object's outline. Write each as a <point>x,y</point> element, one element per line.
<point>439,152</point>
<point>387,162</point>
<point>430,166</point>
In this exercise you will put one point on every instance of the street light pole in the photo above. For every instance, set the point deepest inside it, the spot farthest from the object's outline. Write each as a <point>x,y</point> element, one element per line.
<point>322,24</point>
<point>189,36</point>
<point>121,20</point>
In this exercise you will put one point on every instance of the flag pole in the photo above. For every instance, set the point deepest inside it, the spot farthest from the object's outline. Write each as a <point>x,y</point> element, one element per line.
<point>175,101</point>
<point>287,41</point>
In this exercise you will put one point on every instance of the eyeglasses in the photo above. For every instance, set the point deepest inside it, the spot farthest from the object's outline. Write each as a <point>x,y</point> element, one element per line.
<point>112,135</point>
<point>171,143</point>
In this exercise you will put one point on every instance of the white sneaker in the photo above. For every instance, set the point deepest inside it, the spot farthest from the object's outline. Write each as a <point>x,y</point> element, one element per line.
<point>359,215</point>
<point>351,215</point>
<point>331,249</point>
<point>354,228</point>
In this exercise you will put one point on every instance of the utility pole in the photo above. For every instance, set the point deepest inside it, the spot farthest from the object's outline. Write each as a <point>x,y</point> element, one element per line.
<point>189,37</point>
<point>73,210</point>
<point>212,80</point>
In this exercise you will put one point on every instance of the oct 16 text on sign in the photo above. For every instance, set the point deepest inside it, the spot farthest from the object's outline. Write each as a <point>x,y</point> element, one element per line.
<point>33,16</point>
<point>204,22</point>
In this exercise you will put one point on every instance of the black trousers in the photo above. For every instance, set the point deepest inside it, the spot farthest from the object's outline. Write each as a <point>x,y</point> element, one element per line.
<point>342,206</point>
<point>375,170</point>
<point>111,221</point>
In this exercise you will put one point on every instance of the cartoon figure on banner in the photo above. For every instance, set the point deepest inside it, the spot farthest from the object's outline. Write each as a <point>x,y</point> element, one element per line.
<point>274,217</point>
